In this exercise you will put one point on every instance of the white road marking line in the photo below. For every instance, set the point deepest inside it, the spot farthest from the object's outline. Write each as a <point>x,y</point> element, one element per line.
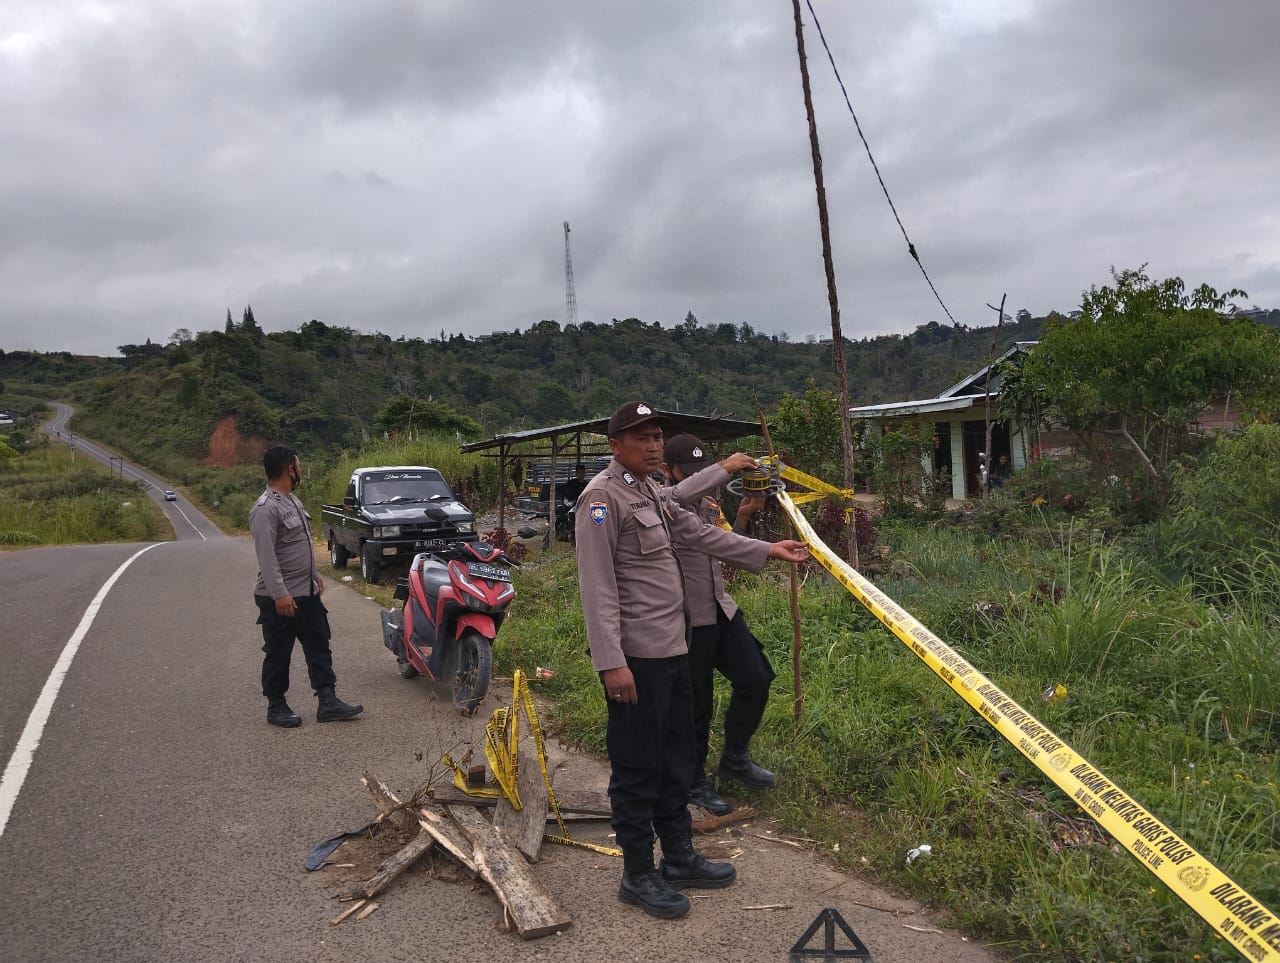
<point>15,773</point>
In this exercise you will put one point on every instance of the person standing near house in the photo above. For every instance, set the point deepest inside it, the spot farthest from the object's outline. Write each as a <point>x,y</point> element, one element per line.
<point>720,639</point>
<point>288,595</point>
<point>633,603</point>
<point>1001,472</point>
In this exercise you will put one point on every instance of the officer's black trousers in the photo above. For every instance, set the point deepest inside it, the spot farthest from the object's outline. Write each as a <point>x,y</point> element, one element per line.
<point>310,626</point>
<point>651,753</point>
<point>727,646</point>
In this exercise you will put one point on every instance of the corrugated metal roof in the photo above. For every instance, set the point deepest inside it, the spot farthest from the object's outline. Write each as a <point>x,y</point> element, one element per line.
<point>708,428</point>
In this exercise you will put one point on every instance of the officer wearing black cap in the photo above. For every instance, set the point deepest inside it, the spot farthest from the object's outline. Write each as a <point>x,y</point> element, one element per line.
<point>720,638</point>
<point>636,620</point>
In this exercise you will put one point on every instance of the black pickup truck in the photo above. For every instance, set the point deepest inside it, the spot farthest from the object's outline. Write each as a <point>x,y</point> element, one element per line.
<point>390,514</point>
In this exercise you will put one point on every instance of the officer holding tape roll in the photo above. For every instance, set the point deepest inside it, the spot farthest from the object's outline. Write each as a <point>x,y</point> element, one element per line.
<point>720,639</point>
<point>637,626</point>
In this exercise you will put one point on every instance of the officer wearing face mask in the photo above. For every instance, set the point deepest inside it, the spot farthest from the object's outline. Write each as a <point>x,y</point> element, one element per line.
<point>288,595</point>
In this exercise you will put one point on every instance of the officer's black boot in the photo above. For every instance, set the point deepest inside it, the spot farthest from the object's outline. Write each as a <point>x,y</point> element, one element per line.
<point>279,714</point>
<point>643,886</point>
<point>704,796</point>
<point>682,866</point>
<point>333,709</point>
<point>736,763</point>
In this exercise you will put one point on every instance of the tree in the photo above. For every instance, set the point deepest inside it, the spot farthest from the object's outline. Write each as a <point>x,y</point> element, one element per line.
<point>405,413</point>
<point>807,430</point>
<point>248,323</point>
<point>1143,361</point>
<point>231,326</point>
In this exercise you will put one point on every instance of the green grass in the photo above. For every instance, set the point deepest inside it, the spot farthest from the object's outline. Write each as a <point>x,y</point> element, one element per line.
<point>46,498</point>
<point>1172,696</point>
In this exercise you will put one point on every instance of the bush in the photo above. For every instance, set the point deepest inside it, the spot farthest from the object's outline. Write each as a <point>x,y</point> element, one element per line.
<point>1225,522</point>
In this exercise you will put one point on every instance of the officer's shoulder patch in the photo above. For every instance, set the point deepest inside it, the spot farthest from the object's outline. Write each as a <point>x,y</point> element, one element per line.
<point>598,512</point>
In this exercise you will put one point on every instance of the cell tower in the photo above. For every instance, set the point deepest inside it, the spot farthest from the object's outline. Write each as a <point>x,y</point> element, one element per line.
<point>570,298</point>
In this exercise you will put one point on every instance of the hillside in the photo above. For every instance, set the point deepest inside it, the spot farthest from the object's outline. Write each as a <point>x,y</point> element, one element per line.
<point>321,386</point>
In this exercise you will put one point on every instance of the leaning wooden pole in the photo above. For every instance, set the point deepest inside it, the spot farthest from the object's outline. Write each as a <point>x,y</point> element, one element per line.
<point>797,643</point>
<point>797,636</point>
<point>837,338</point>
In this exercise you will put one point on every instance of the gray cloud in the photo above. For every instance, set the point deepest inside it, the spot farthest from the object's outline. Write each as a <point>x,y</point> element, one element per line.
<point>406,166</point>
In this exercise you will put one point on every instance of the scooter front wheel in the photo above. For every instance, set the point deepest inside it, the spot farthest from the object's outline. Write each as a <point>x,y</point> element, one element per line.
<point>406,669</point>
<point>468,666</point>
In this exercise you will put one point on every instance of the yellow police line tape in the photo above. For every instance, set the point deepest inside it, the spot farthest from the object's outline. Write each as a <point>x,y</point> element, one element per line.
<point>1238,917</point>
<point>502,750</point>
<point>818,488</point>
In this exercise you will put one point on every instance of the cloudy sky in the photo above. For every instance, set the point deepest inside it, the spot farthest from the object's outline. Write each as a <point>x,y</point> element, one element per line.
<point>406,167</point>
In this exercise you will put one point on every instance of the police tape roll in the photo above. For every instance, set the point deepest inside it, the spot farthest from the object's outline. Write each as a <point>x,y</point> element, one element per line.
<point>755,483</point>
<point>1235,915</point>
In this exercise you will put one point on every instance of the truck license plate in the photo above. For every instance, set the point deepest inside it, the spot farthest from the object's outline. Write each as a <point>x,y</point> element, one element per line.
<point>431,545</point>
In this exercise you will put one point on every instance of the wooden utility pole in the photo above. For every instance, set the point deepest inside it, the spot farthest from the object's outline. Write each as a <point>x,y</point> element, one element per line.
<point>986,392</point>
<point>837,338</point>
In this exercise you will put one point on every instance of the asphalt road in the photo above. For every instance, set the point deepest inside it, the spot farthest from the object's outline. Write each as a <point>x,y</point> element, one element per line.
<point>187,522</point>
<point>161,819</point>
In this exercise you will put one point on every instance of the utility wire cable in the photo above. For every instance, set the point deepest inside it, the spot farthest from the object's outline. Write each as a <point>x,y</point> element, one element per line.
<point>911,248</point>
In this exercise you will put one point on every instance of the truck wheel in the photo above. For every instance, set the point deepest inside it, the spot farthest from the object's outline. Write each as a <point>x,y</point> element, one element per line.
<point>369,565</point>
<point>337,554</point>
<point>468,665</point>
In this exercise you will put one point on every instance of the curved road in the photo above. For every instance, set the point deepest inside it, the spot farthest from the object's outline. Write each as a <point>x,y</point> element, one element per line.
<point>186,521</point>
<point>158,818</point>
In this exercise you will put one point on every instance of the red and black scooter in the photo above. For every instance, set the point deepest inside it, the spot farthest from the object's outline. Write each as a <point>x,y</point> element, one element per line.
<point>454,602</point>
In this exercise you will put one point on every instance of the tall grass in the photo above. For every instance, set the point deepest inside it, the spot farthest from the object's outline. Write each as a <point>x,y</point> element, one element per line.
<point>46,498</point>
<point>1171,694</point>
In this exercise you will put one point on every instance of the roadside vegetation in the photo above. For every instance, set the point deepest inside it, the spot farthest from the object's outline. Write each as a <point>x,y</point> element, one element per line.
<point>1172,688</point>
<point>46,498</point>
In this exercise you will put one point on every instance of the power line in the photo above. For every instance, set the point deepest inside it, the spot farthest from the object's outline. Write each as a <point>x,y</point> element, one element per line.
<point>911,248</point>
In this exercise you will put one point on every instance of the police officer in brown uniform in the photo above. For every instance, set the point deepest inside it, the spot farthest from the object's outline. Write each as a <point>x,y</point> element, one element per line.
<point>288,595</point>
<point>720,639</point>
<point>637,629</point>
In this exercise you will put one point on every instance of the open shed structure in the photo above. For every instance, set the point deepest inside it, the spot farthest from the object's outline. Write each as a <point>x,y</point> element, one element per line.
<point>957,420</point>
<point>581,441</point>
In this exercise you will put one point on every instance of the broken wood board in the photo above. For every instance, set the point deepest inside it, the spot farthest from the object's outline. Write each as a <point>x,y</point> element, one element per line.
<point>712,823</point>
<point>569,800</point>
<point>528,904</point>
<point>387,801</point>
<point>451,839</point>
<point>430,820</point>
<point>524,828</point>
<point>393,866</point>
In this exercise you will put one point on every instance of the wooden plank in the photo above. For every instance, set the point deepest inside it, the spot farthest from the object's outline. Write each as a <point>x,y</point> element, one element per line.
<point>429,820</point>
<point>570,800</point>
<point>394,865</point>
<point>528,904</point>
<point>524,828</point>
<point>451,839</point>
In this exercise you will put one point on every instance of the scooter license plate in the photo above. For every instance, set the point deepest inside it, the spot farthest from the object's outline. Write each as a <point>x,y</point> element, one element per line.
<point>492,572</point>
